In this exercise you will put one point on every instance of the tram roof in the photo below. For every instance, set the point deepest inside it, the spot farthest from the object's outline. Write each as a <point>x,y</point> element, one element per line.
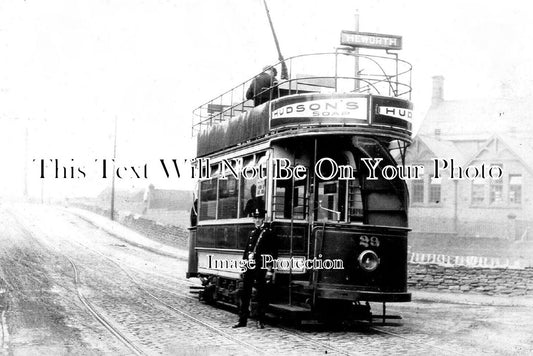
<point>348,93</point>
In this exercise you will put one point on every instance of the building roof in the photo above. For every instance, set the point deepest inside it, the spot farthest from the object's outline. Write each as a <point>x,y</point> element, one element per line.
<point>425,148</point>
<point>522,148</point>
<point>443,149</point>
<point>479,116</point>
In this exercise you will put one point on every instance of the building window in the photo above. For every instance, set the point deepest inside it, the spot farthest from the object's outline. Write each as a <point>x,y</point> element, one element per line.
<point>496,189</point>
<point>434,190</point>
<point>478,191</point>
<point>515,188</point>
<point>417,195</point>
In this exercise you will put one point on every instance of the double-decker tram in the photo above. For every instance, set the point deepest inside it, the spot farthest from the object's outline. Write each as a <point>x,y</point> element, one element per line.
<point>321,155</point>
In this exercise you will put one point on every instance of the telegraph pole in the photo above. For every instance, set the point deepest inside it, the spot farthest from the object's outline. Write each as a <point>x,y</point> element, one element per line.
<point>26,162</point>
<point>113,174</point>
<point>356,52</point>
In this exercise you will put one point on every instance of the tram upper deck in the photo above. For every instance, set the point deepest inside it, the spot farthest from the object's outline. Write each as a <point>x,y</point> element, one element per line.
<point>348,93</point>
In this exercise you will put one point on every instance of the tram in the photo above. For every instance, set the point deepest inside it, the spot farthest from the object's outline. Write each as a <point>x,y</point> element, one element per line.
<point>322,155</point>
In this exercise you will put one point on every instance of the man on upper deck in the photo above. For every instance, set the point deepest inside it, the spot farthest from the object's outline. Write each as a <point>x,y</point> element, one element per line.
<point>261,89</point>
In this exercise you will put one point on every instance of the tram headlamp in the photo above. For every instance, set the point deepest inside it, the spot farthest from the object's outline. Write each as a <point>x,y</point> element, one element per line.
<point>368,260</point>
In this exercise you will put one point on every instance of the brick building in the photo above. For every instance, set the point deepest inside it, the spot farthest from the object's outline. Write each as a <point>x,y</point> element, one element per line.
<point>489,133</point>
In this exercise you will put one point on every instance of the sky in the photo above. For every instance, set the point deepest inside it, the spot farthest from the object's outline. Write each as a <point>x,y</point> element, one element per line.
<point>70,69</point>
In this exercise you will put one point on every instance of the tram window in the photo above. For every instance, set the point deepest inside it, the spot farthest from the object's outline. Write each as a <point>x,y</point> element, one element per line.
<point>253,190</point>
<point>355,201</point>
<point>341,200</point>
<point>227,198</point>
<point>329,202</point>
<point>208,199</point>
<point>330,188</point>
<point>246,188</point>
<point>283,206</point>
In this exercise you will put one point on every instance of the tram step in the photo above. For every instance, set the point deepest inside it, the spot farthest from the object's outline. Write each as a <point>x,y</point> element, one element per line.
<point>227,306</point>
<point>374,316</point>
<point>290,310</point>
<point>304,284</point>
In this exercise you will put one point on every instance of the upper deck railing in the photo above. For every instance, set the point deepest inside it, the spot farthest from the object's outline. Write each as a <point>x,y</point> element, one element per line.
<point>327,73</point>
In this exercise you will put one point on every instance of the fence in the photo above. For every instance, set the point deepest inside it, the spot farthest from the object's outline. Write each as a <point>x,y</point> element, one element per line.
<point>467,261</point>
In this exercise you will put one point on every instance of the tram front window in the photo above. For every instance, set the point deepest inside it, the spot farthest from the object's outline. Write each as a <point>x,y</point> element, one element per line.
<point>284,197</point>
<point>330,206</point>
<point>340,199</point>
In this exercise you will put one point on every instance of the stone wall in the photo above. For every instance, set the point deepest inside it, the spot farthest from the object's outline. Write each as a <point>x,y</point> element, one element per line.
<point>169,234</point>
<point>491,281</point>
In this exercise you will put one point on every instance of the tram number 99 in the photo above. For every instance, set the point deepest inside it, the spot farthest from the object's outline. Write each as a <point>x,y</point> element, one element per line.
<point>368,241</point>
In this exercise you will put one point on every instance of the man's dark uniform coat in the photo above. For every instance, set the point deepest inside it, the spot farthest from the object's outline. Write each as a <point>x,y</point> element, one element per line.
<point>261,241</point>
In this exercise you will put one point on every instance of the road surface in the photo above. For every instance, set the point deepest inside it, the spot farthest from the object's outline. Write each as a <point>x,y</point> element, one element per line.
<point>76,283</point>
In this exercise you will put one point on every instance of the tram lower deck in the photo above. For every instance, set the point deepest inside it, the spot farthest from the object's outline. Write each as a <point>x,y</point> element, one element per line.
<point>341,227</point>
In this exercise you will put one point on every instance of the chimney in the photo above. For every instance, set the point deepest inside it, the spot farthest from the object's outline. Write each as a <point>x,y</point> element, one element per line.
<point>437,133</point>
<point>505,90</point>
<point>438,90</point>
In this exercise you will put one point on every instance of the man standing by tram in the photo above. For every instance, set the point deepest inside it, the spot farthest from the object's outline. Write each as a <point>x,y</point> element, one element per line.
<point>261,242</point>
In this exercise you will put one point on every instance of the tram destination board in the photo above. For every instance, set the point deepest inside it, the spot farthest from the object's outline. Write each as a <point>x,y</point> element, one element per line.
<point>371,40</point>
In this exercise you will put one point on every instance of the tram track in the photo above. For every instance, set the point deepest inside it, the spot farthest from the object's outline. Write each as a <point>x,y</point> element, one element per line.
<point>325,347</point>
<point>445,351</point>
<point>175,310</point>
<point>114,330</point>
<point>101,319</point>
<point>312,341</point>
<point>88,306</point>
<point>148,283</point>
<point>322,345</point>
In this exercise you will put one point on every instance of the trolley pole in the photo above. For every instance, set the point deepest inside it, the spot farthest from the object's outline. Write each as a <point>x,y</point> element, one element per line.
<point>284,72</point>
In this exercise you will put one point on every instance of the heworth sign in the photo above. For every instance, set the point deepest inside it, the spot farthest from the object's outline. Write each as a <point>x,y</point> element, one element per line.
<point>370,40</point>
